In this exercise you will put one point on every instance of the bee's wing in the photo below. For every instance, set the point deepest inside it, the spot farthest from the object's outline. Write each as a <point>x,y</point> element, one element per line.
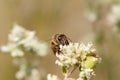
<point>55,49</point>
<point>69,40</point>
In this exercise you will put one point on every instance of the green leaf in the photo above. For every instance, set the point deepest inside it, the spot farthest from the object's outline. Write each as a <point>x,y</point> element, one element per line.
<point>64,70</point>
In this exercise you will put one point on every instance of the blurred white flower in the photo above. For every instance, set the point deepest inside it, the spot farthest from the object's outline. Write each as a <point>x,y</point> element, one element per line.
<point>30,34</point>
<point>42,49</point>
<point>35,75</point>
<point>91,15</point>
<point>116,10</point>
<point>9,47</point>
<point>114,15</point>
<point>27,72</point>
<point>4,49</point>
<point>22,72</point>
<point>20,75</point>
<point>17,33</point>
<point>33,44</point>
<point>21,40</point>
<point>52,77</point>
<point>113,19</point>
<point>13,49</point>
<point>17,53</point>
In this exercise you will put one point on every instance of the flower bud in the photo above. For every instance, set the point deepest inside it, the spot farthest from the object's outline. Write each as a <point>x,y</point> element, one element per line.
<point>90,62</point>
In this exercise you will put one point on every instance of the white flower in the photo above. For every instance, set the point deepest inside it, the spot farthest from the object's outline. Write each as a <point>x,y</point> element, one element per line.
<point>111,19</point>
<point>4,49</point>
<point>21,40</point>
<point>30,42</point>
<point>91,15</point>
<point>20,74</point>
<point>86,73</point>
<point>9,47</point>
<point>59,63</point>
<point>89,73</point>
<point>17,53</point>
<point>52,77</point>
<point>30,34</point>
<point>41,49</point>
<point>76,54</point>
<point>68,56</point>
<point>114,15</point>
<point>13,49</point>
<point>35,75</point>
<point>116,10</point>
<point>81,76</point>
<point>17,33</point>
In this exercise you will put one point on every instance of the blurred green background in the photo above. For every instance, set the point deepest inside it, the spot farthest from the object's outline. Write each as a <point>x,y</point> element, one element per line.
<point>48,17</point>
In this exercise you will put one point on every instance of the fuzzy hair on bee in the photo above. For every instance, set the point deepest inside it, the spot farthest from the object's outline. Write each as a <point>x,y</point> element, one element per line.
<point>57,40</point>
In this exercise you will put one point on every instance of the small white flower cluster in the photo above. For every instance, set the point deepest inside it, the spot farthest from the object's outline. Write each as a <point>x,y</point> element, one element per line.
<point>28,73</point>
<point>52,77</point>
<point>113,17</point>
<point>22,72</point>
<point>91,15</point>
<point>79,55</point>
<point>35,75</point>
<point>86,74</point>
<point>21,40</point>
<point>74,53</point>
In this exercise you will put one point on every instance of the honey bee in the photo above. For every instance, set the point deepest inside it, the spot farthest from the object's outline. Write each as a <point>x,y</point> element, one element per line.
<point>57,40</point>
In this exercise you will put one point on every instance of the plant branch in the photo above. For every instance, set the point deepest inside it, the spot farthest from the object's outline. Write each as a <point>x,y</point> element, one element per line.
<point>70,72</point>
